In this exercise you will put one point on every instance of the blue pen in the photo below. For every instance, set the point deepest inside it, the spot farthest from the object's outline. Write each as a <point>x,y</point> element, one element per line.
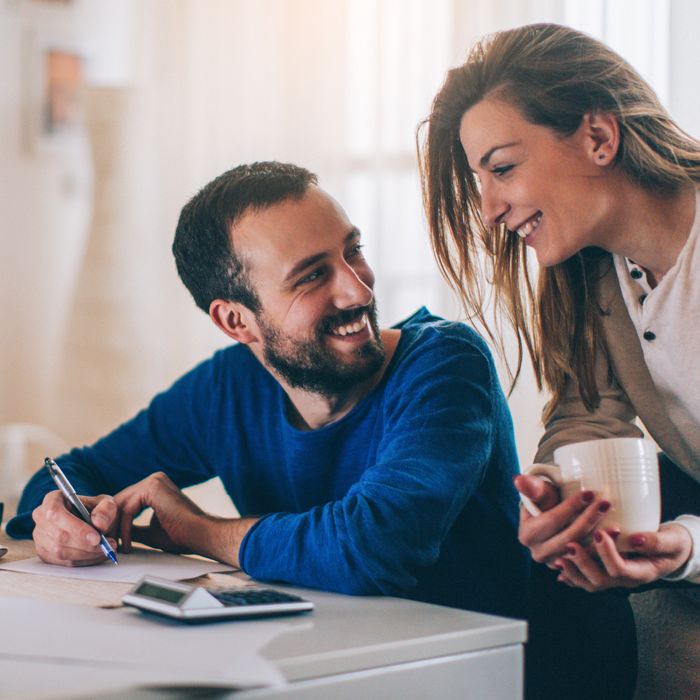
<point>72,497</point>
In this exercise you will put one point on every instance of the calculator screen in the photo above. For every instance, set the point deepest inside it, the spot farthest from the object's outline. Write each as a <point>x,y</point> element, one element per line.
<point>168,594</point>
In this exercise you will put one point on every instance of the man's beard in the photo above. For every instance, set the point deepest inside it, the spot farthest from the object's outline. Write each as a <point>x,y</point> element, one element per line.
<point>314,367</point>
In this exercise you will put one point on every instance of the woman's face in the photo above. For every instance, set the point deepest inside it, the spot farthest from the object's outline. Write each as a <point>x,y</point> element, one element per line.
<point>550,190</point>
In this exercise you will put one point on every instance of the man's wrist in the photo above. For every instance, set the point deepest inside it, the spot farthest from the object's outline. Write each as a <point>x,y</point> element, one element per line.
<point>219,538</point>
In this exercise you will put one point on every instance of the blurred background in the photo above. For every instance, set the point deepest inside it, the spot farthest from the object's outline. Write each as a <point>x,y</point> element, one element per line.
<point>114,112</point>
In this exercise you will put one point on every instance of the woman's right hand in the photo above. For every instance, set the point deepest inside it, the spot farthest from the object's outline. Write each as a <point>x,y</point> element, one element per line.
<point>548,535</point>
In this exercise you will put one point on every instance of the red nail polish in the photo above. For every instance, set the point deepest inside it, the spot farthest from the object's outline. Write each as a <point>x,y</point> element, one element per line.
<point>604,507</point>
<point>570,550</point>
<point>614,534</point>
<point>637,540</point>
<point>598,536</point>
<point>587,497</point>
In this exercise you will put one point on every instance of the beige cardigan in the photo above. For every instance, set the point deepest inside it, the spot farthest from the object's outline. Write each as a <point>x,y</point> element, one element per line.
<point>631,394</point>
<point>668,622</point>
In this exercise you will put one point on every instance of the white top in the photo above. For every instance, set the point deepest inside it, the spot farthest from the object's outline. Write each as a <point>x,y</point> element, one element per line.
<point>667,320</point>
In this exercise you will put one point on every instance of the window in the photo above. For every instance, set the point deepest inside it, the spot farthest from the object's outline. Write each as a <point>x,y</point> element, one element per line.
<point>397,54</point>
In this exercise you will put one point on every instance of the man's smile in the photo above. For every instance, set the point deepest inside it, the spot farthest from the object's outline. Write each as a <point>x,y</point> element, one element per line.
<point>350,328</point>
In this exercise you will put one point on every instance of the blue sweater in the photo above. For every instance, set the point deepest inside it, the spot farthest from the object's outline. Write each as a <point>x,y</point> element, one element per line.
<point>410,494</point>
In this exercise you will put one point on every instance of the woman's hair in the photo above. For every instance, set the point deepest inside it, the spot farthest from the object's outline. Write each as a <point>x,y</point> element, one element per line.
<point>554,75</point>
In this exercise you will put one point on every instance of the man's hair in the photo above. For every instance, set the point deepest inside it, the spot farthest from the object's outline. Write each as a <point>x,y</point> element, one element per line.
<point>204,252</point>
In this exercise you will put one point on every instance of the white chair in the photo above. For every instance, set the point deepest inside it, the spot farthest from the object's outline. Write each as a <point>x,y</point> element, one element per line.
<point>22,447</point>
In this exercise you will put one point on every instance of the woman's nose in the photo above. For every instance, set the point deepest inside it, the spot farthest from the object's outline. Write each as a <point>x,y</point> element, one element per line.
<point>493,206</point>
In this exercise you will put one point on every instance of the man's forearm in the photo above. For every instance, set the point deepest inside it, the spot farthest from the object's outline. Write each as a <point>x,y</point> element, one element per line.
<point>219,538</point>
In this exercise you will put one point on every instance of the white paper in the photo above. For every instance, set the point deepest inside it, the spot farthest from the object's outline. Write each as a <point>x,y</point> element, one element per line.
<point>145,650</point>
<point>130,569</point>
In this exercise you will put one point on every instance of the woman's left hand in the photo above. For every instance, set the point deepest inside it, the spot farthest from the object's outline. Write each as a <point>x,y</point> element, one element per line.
<point>601,566</point>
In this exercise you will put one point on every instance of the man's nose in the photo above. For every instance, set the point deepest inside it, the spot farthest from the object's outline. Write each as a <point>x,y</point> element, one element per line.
<point>351,289</point>
<point>494,208</point>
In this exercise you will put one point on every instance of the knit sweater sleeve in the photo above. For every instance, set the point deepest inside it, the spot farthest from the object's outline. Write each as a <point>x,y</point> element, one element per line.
<point>171,435</point>
<point>432,455</point>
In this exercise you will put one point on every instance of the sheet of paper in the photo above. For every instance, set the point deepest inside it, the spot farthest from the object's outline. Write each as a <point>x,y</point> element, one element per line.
<point>130,569</point>
<point>146,649</point>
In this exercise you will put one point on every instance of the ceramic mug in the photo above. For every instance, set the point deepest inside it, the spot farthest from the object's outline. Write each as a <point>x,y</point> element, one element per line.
<point>625,471</point>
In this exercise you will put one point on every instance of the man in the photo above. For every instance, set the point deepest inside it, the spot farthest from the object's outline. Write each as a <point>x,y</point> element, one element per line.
<point>361,461</point>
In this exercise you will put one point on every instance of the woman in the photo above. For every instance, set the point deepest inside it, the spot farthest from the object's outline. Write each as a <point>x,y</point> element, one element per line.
<point>546,138</point>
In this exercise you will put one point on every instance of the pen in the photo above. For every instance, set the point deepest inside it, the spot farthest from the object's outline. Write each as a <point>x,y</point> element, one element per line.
<point>72,497</point>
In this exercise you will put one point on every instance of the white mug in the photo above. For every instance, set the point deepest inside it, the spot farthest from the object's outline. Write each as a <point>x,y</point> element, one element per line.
<point>624,471</point>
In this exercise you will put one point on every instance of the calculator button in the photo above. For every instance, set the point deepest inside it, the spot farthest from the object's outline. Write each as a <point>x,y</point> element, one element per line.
<point>258,596</point>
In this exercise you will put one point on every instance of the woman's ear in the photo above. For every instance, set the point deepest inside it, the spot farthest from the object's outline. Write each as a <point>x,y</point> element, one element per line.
<point>234,319</point>
<point>601,132</point>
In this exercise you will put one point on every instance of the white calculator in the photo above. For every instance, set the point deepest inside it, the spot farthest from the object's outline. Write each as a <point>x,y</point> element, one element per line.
<point>183,601</point>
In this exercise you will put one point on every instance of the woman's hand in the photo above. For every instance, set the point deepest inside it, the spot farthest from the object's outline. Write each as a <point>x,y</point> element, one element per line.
<point>656,554</point>
<point>548,535</point>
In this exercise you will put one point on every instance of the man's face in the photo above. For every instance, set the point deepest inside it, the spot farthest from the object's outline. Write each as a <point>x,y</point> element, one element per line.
<point>318,325</point>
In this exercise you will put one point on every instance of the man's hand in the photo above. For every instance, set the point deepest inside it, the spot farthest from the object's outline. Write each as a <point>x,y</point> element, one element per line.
<point>62,538</point>
<point>172,519</point>
<point>178,524</point>
<point>656,554</point>
<point>561,522</point>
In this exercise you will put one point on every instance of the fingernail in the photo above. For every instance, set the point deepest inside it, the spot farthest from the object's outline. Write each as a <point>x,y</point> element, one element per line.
<point>571,550</point>
<point>598,536</point>
<point>587,497</point>
<point>604,507</point>
<point>92,538</point>
<point>614,534</point>
<point>558,567</point>
<point>637,540</point>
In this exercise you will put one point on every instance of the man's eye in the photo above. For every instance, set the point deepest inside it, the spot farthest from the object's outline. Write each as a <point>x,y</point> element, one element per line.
<point>311,277</point>
<point>355,251</point>
<point>502,170</point>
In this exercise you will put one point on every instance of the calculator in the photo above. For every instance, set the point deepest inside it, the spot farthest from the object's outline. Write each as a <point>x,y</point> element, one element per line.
<point>189,603</point>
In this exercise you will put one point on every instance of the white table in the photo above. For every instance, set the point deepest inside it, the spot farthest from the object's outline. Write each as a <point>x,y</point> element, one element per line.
<point>391,648</point>
<point>349,647</point>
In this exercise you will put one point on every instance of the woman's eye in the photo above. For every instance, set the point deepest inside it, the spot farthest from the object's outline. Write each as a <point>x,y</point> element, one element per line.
<point>502,170</point>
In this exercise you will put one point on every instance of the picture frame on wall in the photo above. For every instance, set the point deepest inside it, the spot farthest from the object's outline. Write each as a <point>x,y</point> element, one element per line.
<point>53,104</point>
<point>62,92</point>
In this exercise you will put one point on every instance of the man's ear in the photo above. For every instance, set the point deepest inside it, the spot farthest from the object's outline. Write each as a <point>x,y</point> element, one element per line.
<point>234,319</point>
<point>601,132</point>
